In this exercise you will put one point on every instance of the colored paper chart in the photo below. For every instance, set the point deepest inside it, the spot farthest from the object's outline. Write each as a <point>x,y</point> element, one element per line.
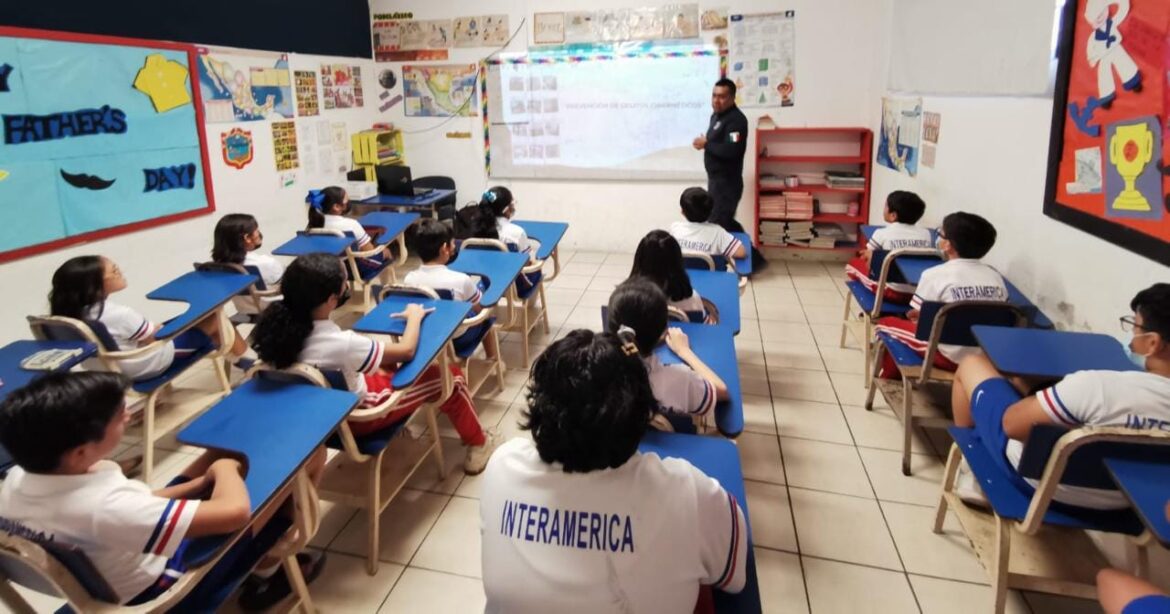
<point>240,88</point>
<point>99,139</point>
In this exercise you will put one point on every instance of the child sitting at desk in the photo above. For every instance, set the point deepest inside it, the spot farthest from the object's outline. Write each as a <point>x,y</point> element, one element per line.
<point>903,210</point>
<point>434,244</point>
<point>58,429</point>
<point>657,528</point>
<point>637,314</point>
<point>502,204</point>
<point>489,219</point>
<point>298,329</point>
<point>697,234</point>
<point>659,259</point>
<point>237,238</point>
<point>963,239</point>
<point>981,397</point>
<point>81,289</point>
<point>328,208</point>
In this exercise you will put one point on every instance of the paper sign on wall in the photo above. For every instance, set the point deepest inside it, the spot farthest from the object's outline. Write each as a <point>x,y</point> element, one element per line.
<point>284,144</point>
<point>763,59</point>
<point>306,89</point>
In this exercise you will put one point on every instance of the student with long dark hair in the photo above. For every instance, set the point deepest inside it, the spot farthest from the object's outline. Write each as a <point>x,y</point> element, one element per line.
<point>328,208</point>
<point>637,314</point>
<point>578,520</point>
<point>659,259</point>
<point>502,204</point>
<point>237,239</point>
<point>81,290</point>
<point>298,329</point>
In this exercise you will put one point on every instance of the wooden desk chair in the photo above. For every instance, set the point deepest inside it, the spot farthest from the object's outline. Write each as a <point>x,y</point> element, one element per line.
<point>364,283</point>
<point>251,302</point>
<point>526,293</point>
<point>363,475</point>
<point>709,262</point>
<point>709,315</point>
<point>872,302</point>
<point>468,337</point>
<point>65,571</point>
<point>921,394</point>
<point>1029,541</point>
<point>58,328</point>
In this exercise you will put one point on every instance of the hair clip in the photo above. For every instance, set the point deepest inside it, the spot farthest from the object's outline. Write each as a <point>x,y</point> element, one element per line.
<point>628,337</point>
<point>489,195</point>
<point>316,199</point>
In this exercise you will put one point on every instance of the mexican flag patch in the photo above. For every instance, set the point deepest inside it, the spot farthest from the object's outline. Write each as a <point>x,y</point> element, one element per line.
<point>734,136</point>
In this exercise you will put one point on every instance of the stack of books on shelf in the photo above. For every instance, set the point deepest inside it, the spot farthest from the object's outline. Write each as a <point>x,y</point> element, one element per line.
<point>798,233</point>
<point>773,206</point>
<point>798,206</point>
<point>768,181</point>
<point>844,179</point>
<point>772,232</point>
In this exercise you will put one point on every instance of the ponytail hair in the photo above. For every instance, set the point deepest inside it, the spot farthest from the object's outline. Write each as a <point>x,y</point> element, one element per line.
<point>476,221</point>
<point>321,202</point>
<point>497,200</point>
<point>284,326</point>
<point>637,310</point>
<point>78,285</point>
<point>230,231</point>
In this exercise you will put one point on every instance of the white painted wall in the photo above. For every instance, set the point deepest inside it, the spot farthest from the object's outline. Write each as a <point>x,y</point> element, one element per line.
<point>992,160</point>
<point>153,257</point>
<point>837,81</point>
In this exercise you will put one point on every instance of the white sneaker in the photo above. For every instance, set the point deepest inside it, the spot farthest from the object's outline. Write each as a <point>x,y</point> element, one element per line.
<point>477,456</point>
<point>968,489</point>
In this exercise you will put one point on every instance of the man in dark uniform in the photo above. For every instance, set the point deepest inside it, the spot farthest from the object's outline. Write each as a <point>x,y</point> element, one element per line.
<point>723,149</point>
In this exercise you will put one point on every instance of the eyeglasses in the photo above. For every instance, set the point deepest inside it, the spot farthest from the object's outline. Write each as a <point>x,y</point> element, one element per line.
<point>1129,324</point>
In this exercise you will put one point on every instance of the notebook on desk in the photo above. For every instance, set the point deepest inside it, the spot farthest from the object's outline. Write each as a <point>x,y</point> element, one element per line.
<point>397,181</point>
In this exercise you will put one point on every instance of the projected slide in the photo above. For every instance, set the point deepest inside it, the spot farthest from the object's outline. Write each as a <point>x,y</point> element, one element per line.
<point>601,117</point>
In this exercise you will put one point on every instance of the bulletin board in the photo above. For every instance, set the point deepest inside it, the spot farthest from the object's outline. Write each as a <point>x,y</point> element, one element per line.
<point>1107,172</point>
<point>101,136</point>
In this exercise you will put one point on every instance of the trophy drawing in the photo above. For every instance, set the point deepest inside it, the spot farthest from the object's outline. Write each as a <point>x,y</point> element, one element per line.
<point>1130,150</point>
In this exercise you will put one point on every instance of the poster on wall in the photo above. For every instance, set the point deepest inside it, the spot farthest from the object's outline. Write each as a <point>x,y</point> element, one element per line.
<point>341,85</point>
<point>306,90</point>
<point>548,28</point>
<point>101,137</point>
<point>440,91</point>
<point>480,31</point>
<point>900,139</point>
<point>762,59</point>
<point>284,145</point>
<point>425,34</point>
<point>237,147</point>
<point>241,88</point>
<point>1107,169</point>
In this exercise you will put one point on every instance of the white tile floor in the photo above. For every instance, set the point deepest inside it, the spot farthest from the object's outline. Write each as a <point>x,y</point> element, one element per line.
<point>837,527</point>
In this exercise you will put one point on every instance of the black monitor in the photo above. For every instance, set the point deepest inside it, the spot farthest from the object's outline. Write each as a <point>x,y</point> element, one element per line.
<point>394,180</point>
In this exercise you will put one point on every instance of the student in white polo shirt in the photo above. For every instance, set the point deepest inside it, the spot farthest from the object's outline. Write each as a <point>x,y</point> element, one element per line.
<point>963,239</point>
<point>983,398</point>
<point>58,429</point>
<point>434,244</point>
<point>328,208</point>
<point>577,520</point>
<point>637,313</point>
<point>81,290</point>
<point>697,234</point>
<point>659,259</point>
<point>298,328</point>
<point>502,204</point>
<point>903,210</point>
<point>237,240</point>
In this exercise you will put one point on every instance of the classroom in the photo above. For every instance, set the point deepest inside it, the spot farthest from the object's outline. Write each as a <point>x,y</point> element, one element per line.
<point>555,306</point>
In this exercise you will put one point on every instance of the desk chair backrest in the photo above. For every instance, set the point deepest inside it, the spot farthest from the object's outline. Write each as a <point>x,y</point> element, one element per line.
<point>950,323</point>
<point>54,568</point>
<point>881,264</point>
<point>1085,466</point>
<point>704,262</point>
<point>497,245</point>
<point>418,291</point>
<point>446,206</point>
<point>60,328</point>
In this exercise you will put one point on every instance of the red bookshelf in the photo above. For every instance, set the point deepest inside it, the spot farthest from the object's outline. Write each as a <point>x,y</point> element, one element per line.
<point>808,153</point>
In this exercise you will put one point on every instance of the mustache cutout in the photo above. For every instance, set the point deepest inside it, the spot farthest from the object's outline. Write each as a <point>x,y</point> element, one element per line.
<point>87,182</point>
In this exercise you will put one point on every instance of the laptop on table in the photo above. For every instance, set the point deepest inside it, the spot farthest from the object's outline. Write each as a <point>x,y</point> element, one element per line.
<point>396,181</point>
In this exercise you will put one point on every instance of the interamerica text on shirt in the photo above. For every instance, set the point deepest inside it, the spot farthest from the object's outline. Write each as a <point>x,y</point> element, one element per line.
<point>567,528</point>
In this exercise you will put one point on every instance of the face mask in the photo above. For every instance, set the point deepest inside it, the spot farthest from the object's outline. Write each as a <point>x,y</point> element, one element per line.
<point>1137,359</point>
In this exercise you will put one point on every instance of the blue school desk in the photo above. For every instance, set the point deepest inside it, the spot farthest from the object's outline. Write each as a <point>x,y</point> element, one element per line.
<point>276,426</point>
<point>722,289</point>
<point>911,269</point>
<point>13,377</point>
<point>426,201</point>
<point>719,459</point>
<point>305,243</point>
<point>1050,354</point>
<point>1147,486</point>
<point>437,329</point>
<point>743,266</point>
<point>392,224</point>
<point>548,234</point>
<point>715,346</point>
<point>203,291</point>
<point>1036,317</point>
<point>498,269</point>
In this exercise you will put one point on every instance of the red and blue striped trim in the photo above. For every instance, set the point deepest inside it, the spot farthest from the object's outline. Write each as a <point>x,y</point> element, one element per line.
<point>165,528</point>
<point>729,567</point>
